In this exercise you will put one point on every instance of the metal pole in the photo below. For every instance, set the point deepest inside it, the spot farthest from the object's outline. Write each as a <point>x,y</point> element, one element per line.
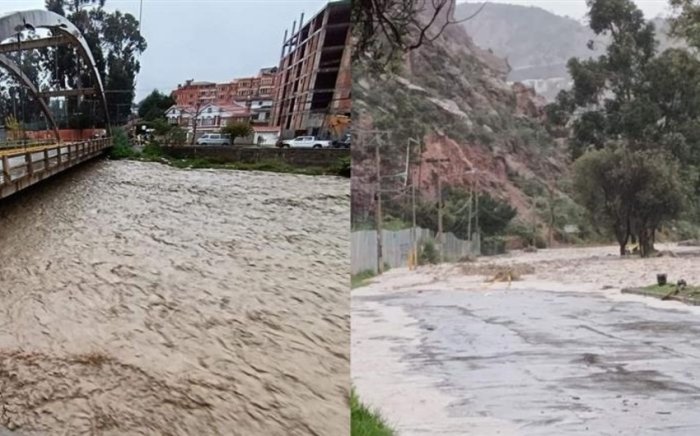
<point>440,234</point>
<point>469,223</point>
<point>476,224</point>
<point>413,228</point>
<point>378,210</point>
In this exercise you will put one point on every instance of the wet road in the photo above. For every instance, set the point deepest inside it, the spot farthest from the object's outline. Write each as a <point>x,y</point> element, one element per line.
<point>530,362</point>
<point>136,298</point>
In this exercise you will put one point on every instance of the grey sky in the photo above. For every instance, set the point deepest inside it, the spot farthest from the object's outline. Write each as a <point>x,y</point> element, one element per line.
<point>577,8</point>
<point>215,40</point>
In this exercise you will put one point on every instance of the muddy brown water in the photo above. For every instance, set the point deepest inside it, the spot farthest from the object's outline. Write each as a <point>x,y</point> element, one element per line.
<point>136,298</point>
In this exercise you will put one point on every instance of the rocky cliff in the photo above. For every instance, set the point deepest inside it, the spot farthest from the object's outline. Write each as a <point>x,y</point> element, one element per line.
<point>474,127</point>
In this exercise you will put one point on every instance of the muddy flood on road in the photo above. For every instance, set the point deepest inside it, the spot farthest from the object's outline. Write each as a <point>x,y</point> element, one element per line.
<point>136,298</point>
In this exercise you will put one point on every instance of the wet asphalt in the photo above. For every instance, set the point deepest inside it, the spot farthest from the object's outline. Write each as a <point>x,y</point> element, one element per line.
<point>558,363</point>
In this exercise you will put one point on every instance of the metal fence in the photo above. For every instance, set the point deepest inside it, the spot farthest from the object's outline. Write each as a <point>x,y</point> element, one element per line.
<point>396,247</point>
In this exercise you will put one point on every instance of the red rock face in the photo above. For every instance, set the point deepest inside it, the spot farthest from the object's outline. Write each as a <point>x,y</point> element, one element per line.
<point>481,131</point>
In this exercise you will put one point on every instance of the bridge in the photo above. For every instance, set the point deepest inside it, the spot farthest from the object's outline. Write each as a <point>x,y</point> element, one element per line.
<point>25,162</point>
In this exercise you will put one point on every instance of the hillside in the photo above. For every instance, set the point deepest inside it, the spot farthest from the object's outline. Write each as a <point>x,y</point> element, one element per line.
<point>455,98</point>
<point>537,43</point>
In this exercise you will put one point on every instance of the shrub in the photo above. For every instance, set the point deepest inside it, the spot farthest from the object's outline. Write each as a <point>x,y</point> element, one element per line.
<point>428,253</point>
<point>493,245</point>
<point>121,148</point>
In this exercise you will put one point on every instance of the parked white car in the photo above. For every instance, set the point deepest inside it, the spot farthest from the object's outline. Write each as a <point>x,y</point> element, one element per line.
<point>305,142</point>
<point>214,139</point>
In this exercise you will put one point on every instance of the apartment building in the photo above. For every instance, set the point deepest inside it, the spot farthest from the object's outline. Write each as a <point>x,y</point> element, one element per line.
<point>314,80</point>
<point>256,93</point>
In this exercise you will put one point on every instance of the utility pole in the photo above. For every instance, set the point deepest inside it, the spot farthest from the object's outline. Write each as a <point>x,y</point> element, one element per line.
<point>476,218</point>
<point>378,210</point>
<point>414,239</point>
<point>439,183</point>
<point>471,202</point>
<point>441,237</point>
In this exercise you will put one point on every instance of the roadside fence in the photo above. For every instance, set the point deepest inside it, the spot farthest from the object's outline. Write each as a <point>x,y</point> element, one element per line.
<point>397,246</point>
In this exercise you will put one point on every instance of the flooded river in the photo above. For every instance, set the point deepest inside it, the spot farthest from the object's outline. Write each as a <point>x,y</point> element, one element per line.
<point>136,298</point>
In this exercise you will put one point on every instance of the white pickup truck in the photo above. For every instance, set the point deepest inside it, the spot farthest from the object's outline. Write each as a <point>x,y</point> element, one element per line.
<point>304,142</point>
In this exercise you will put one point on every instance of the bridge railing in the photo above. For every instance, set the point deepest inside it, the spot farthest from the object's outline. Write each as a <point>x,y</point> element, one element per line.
<point>23,143</point>
<point>22,167</point>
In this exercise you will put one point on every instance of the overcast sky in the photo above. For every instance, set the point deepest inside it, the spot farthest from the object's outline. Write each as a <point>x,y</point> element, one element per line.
<point>214,40</point>
<point>577,8</point>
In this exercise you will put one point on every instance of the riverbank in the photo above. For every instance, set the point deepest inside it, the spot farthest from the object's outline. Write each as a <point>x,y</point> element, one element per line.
<point>333,162</point>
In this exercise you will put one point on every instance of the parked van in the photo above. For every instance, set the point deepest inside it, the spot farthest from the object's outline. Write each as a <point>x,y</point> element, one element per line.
<point>214,139</point>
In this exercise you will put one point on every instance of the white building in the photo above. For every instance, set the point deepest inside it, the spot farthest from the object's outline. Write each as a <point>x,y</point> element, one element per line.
<point>265,135</point>
<point>210,117</point>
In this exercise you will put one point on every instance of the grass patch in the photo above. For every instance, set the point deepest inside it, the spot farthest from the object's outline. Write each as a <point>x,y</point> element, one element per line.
<point>270,165</point>
<point>360,279</point>
<point>688,291</point>
<point>365,422</point>
<point>154,153</point>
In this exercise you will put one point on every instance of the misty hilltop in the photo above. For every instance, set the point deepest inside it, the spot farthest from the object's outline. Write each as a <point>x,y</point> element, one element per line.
<point>537,43</point>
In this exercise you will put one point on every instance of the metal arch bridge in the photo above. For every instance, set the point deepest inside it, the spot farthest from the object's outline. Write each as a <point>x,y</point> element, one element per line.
<point>22,167</point>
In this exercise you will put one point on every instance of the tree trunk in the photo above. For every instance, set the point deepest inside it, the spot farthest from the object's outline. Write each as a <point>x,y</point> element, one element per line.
<point>622,238</point>
<point>646,242</point>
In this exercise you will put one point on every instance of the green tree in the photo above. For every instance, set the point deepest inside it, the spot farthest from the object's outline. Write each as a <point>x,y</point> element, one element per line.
<point>630,192</point>
<point>610,94</point>
<point>154,105</point>
<point>160,126</point>
<point>237,130</point>
<point>494,215</point>
<point>628,105</point>
<point>115,42</point>
<point>685,22</point>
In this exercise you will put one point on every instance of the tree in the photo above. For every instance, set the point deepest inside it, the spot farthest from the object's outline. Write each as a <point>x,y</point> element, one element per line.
<point>685,22</point>
<point>160,126</point>
<point>115,42</point>
<point>194,112</point>
<point>237,129</point>
<point>154,105</point>
<point>610,94</point>
<point>385,29</point>
<point>494,214</point>
<point>630,192</point>
<point>635,119</point>
<point>176,136</point>
<point>13,127</point>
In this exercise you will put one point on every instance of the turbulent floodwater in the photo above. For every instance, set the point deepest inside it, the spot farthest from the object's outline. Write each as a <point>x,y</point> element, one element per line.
<point>136,298</point>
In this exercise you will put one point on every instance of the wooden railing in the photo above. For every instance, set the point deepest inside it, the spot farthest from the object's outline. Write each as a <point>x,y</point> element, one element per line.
<point>22,167</point>
<point>24,143</point>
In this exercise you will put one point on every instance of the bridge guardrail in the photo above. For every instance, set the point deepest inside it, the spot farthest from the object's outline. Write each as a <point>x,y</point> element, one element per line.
<point>20,143</point>
<point>22,167</point>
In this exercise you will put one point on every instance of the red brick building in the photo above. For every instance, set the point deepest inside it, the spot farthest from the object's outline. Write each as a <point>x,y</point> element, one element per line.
<point>314,79</point>
<point>256,93</point>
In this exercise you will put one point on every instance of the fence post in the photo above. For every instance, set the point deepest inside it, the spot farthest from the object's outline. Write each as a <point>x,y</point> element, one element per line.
<point>6,170</point>
<point>46,159</point>
<point>28,162</point>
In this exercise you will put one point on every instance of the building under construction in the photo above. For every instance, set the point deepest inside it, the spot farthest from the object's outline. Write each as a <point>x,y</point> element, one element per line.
<point>314,81</point>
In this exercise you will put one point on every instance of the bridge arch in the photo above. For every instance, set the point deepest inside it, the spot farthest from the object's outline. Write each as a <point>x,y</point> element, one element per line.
<point>13,23</point>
